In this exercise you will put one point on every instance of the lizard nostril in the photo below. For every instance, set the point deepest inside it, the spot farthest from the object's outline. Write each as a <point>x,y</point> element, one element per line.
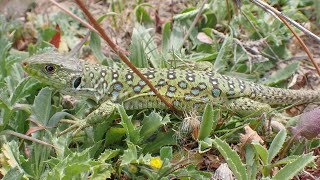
<point>24,63</point>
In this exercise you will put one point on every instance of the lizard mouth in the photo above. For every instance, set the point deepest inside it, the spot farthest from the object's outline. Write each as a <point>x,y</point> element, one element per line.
<point>24,64</point>
<point>26,67</point>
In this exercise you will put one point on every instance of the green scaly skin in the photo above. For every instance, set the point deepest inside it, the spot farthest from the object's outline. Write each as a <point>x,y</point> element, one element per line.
<point>184,89</point>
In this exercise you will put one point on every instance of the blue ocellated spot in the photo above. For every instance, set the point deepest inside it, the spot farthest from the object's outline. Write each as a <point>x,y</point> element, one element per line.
<point>161,82</point>
<point>170,94</point>
<point>142,83</point>
<point>205,99</point>
<point>195,91</point>
<point>216,92</point>
<point>202,86</point>
<point>196,105</point>
<point>187,97</point>
<point>115,94</point>
<point>183,84</point>
<point>176,103</point>
<point>172,89</point>
<point>118,86</point>
<point>137,89</point>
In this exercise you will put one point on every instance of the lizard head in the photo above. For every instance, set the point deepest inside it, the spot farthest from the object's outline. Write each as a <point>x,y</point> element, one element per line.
<point>57,70</point>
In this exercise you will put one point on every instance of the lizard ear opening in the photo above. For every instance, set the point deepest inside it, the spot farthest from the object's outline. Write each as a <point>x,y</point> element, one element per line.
<point>77,82</point>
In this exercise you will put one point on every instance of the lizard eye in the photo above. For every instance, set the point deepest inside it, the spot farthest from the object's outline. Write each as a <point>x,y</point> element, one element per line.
<point>50,68</point>
<point>77,82</point>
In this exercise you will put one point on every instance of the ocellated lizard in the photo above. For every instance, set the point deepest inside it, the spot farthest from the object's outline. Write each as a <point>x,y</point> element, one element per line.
<point>184,89</point>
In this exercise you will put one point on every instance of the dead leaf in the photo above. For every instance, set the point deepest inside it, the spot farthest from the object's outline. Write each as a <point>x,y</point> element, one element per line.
<point>223,173</point>
<point>202,37</point>
<point>249,136</point>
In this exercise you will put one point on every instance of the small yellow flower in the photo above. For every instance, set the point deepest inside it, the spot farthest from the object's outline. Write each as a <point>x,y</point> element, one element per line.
<point>155,162</point>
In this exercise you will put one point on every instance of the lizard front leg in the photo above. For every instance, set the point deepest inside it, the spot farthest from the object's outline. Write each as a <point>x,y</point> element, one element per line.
<point>246,106</point>
<point>98,115</point>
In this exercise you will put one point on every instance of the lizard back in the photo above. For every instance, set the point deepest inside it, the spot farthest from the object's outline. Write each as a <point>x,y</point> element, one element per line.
<point>184,89</point>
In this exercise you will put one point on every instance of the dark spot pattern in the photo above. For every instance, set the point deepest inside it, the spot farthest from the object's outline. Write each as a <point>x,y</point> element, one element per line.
<point>137,88</point>
<point>142,83</point>
<point>216,92</point>
<point>214,81</point>
<point>183,84</point>
<point>171,74</point>
<point>172,89</point>
<point>195,91</point>
<point>117,86</point>
<point>188,96</point>
<point>161,82</point>
<point>129,76</point>
<point>150,74</point>
<point>202,86</point>
<point>115,75</point>
<point>176,103</point>
<point>190,77</point>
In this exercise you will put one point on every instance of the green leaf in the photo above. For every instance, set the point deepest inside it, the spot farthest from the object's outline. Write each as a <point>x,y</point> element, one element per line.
<point>162,139</point>
<point>191,172</point>
<point>262,151</point>
<point>101,172</point>
<point>54,120</point>
<point>276,144</point>
<point>210,21</point>
<point>152,123</point>
<point>95,45</point>
<point>232,158</point>
<point>176,37</point>
<point>137,54</point>
<point>149,47</point>
<point>282,74</point>
<point>205,144</point>
<point>132,133</point>
<point>142,15</point>
<point>5,45</point>
<point>19,90</point>
<point>251,162</point>
<point>220,63</point>
<point>189,14</point>
<point>13,173</point>
<point>108,154</point>
<point>73,166</point>
<point>74,169</point>
<point>42,105</point>
<point>293,168</point>
<point>130,155</point>
<point>166,37</point>
<point>114,135</point>
<point>166,153</point>
<point>286,160</point>
<point>209,121</point>
<point>12,156</point>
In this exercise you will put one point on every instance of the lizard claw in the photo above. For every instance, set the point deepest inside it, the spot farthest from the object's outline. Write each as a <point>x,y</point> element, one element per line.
<point>96,116</point>
<point>76,127</point>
